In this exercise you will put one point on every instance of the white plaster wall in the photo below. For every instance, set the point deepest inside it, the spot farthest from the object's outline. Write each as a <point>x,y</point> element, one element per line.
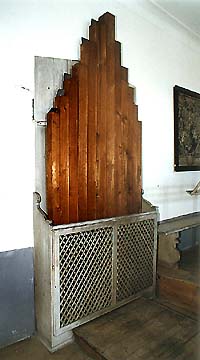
<point>158,53</point>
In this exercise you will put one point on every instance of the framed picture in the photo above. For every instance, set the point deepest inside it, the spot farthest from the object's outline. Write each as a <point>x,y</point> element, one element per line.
<point>186,130</point>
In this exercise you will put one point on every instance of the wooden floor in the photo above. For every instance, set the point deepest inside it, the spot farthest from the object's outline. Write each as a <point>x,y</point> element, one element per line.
<point>32,349</point>
<point>142,329</point>
<point>181,286</point>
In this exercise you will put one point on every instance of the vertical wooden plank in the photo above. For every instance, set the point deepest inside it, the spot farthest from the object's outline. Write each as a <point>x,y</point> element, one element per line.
<point>131,172</point>
<point>139,169</point>
<point>125,135</point>
<point>82,134</point>
<point>124,73</point>
<point>73,147</point>
<point>64,157</point>
<point>48,159</point>
<point>137,158</point>
<point>101,124</point>
<point>66,84</point>
<point>134,160</point>
<point>92,122</point>
<point>110,119</point>
<point>92,128</point>
<point>93,31</point>
<point>53,168</point>
<point>118,133</point>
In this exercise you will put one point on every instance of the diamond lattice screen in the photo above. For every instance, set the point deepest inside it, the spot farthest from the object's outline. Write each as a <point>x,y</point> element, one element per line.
<point>135,247</point>
<point>88,264</point>
<point>85,273</point>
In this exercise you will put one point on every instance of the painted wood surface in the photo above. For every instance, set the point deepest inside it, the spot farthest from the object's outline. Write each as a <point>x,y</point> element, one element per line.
<point>93,158</point>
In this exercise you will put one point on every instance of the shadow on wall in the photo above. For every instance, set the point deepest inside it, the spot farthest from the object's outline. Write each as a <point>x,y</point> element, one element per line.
<point>17,320</point>
<point>189,238</point>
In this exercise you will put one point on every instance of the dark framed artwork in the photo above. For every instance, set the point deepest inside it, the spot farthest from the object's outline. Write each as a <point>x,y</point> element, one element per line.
<point>186,130</point>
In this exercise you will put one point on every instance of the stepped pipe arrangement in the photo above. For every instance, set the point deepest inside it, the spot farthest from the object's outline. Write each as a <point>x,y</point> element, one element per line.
<point>95,249</point>
<point>93,141</point>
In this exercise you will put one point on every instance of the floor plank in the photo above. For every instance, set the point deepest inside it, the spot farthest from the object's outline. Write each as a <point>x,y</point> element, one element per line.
<point>176,308</point>
<point>190,350</point>
<point>32,349</point>
<point>181,286</point>
<point>142,329</point>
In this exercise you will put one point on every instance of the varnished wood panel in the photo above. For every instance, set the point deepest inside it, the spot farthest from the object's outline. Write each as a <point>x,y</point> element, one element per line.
<point>125,136</point>
<point>110,113</point>
<point>73,147</point>
<point>118,131</point>
<point>63,102</point>
<point>92,129</point>
<point>131,155</point>
<point>96,144</point>
<point>48,155</point>
<point>138,200</point>
<point>53,166</point>
<point>101,123</point>
<point>82,131</point>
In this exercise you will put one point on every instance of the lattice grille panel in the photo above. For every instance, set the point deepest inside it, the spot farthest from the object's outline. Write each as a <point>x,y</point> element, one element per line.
<point>135,247</point>
<point>85,273</point>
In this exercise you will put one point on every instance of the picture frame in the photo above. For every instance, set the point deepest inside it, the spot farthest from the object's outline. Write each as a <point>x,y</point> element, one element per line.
<point>186,129</point>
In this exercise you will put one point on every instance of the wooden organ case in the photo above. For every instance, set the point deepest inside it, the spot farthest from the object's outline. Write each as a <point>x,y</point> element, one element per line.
<point>96,249</point>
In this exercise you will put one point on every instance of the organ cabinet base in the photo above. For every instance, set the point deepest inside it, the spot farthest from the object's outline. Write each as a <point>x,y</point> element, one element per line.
<point>87,269</point>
